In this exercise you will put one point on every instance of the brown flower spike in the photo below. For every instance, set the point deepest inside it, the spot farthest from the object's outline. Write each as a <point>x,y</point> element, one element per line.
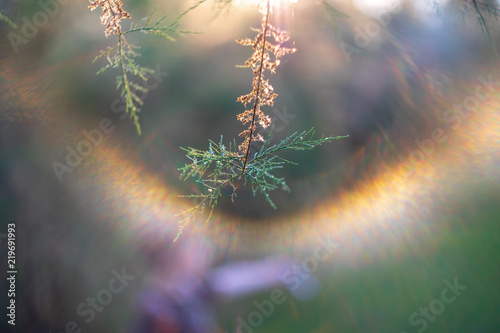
<point>112,14</point>
<point>265,57</point>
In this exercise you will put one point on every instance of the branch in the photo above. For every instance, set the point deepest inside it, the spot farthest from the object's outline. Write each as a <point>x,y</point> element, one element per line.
<point>8,21</point>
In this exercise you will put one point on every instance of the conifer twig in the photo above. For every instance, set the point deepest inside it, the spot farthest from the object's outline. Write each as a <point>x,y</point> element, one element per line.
<point>491,7</point>
<point>221,169</point>
<point>262,93</point>
<point>123,56</point>
<point>112,14</point>
<point>257,94</point>
<point>8,21</point>
<point>479,8</point>
<point>333,15</point>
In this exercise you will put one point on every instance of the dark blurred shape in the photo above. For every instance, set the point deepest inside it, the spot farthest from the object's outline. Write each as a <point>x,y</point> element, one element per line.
<point>186,303</point>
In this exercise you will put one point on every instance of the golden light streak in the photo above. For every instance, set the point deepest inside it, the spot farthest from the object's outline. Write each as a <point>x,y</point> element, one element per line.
<point>384,215</point>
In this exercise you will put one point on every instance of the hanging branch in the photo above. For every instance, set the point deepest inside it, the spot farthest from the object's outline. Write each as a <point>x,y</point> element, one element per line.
<point>8,21</point>
<point>123,55</point>
<point>478,8</point>
<point>263,92</point>
<point>222,169</point>
<point>333,15</point>
<point>490,7</point>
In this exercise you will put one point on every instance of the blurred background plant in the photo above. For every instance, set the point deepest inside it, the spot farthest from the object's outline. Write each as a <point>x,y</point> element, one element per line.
<point>402,236</point>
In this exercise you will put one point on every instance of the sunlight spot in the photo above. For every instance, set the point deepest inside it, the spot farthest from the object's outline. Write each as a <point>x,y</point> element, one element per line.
<point>375,6</point>
<point>274,3</point>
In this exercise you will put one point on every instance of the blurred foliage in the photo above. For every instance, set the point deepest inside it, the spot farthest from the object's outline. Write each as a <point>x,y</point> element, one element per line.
<point>221,169</point>
<point>123,55</point>
<point>478,9</point>
<point>8,21</point>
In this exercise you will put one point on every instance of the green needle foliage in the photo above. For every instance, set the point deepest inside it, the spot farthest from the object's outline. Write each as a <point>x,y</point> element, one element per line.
<point>123,55</point>
<point>8,21</point>
<point>221,168</point>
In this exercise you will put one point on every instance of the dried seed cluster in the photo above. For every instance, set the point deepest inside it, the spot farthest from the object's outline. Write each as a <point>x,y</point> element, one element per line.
<point>265,57</point>
<point>112,14</point>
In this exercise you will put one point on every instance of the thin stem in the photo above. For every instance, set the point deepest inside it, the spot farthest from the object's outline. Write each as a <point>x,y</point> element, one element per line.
<point>479,14</point>
<point>188,10</point>
<point>256,103</point>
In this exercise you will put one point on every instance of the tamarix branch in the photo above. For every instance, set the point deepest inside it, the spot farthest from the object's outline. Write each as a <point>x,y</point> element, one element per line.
<point>228,167</point>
